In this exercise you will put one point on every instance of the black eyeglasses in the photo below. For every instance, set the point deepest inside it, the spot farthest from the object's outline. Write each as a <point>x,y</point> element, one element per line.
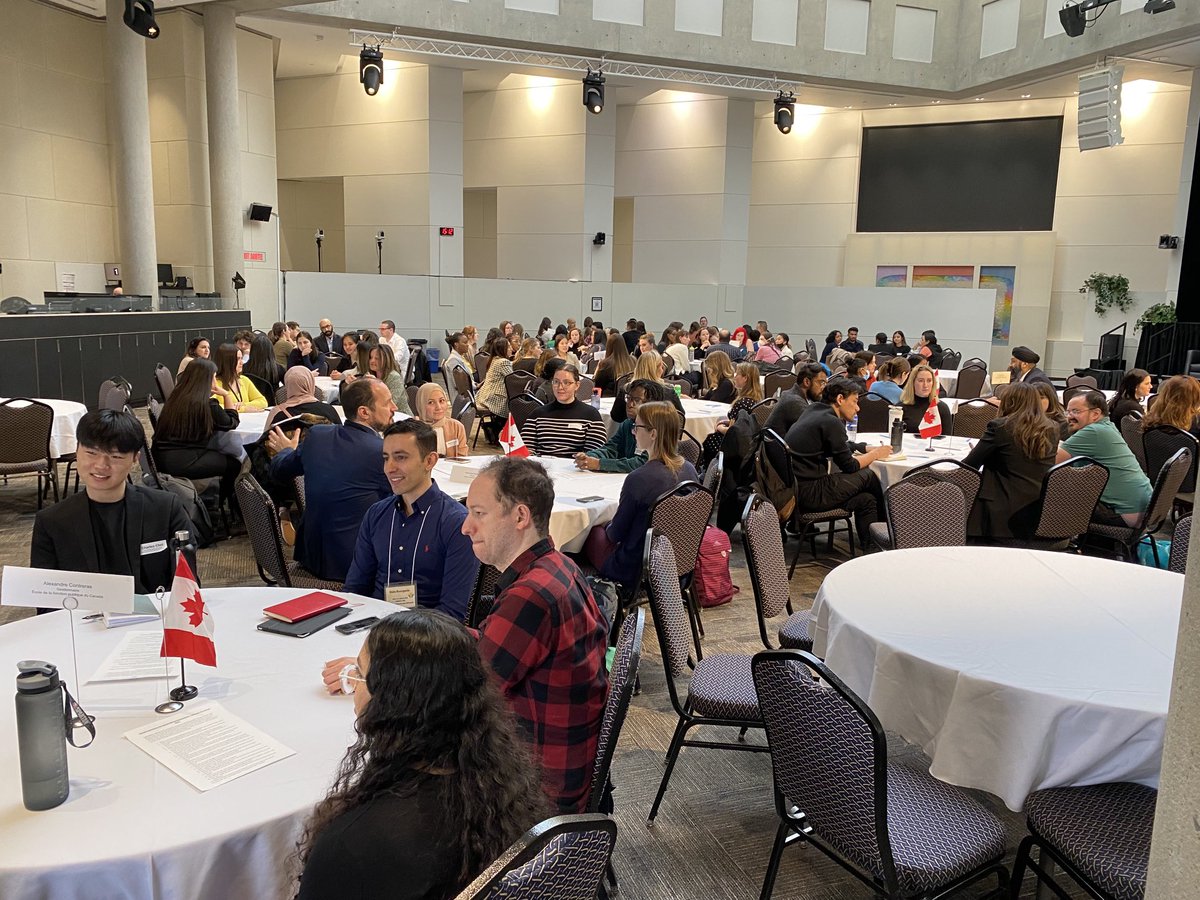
<point>645,427</point>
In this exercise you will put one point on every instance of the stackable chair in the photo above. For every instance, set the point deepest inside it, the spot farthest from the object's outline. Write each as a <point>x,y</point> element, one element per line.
<point>266,537</point>
<point>910,502</point>
<point>1166,486</point>
<point>26,427</point>
<point>1070,492</point>
<point>483,595</point>
<point>763,545</point>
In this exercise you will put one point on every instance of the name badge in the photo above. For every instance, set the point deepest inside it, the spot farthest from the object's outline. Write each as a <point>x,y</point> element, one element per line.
<point>401,594</point>
<point>153,547</point>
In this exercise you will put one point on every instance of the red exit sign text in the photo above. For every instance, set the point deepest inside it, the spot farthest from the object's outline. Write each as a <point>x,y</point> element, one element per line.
<point>447,231</point>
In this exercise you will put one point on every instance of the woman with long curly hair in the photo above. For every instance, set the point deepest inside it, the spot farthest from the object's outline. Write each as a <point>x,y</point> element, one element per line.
<point>1015,452</point>
<point>437,783</point>
<point>1178,404</point>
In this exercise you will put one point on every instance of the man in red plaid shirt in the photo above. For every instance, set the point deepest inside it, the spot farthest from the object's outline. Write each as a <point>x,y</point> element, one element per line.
<point>545,638</point>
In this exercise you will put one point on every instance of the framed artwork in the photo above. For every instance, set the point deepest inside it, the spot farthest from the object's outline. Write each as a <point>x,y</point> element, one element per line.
<point>1003,279</point>
<point>943,276</point>
<point>597,304</point>
<point>891,276</point>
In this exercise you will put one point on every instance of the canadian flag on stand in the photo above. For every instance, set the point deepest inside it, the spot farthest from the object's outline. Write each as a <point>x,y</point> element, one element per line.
<point>931,422</point>
<point>510,439</point>
<point>187,623</point>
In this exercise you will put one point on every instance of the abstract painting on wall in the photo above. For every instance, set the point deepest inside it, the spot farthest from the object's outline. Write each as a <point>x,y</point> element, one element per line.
<point>943,276</point>
<point>891,276</point>
<point>1002,278</point>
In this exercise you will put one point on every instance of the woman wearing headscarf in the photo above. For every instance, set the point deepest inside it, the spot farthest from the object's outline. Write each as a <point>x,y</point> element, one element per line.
<point>301,386</point>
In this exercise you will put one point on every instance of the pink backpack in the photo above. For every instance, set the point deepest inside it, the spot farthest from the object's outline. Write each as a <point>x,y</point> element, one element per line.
<point>711,583</point>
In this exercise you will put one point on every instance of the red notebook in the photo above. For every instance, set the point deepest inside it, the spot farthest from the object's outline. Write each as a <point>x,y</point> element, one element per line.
<point>305,607</point>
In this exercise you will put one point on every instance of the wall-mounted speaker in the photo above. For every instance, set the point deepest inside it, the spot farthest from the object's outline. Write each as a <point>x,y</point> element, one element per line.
<point>260,212</point>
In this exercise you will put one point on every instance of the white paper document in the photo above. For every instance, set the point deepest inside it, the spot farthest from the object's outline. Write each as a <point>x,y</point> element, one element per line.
<point>137,656</point>
<point>23,586</point>
<point>207,746</point>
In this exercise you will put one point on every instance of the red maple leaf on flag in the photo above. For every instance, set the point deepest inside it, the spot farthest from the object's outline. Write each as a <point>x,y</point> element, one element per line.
<point>195,608</point>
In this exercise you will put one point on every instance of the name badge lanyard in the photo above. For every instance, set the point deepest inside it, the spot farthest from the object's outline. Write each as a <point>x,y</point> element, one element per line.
<point>416,547</point>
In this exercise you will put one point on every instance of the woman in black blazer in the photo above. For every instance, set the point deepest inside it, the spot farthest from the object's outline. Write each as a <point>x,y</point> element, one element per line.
<point>306,354</point>
<point>1015,452</point>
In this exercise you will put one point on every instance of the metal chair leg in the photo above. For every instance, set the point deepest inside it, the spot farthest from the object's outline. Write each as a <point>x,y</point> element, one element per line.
<point>672,756</point>
<point>768,887</point>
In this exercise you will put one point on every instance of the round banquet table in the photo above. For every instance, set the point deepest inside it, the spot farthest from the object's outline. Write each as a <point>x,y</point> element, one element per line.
<point>328,389</point>
<point>570,518</point>
<point>914,452</point>
<point>251,424</point>
<point>131,828</point>
<point>1053,672</point>
<point>67,414</point>
<point>701,416</point>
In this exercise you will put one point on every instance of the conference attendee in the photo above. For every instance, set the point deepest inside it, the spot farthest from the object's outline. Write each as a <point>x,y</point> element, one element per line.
<point>1131,395</point>
<point>649,367</point>
<point>630,336</point>
<point>348,361</point>
<point>437,783</point>
<point>832,340</point>
<point>301,387</point>
<point>890,379</point>
<point>1015,453</point>
<point>783,344</point>
<point>792,403</point>
<point>646,343</point>
<point>838,361</point>
<point>747,383</point>
<point>197,348</point>
<point>506,327</point>
<point>281,338</point>
<point>616,549</point>
<point>545,330</point>
<point>725,345</point>
<point>385,367</point>
<point>530,348</point>
<point>306,354</point>
<point>1023,366</point>
<point>718,378</point>
<point>387,335</point>
<point>433,408</point>
<point>1127,493</point>
<point>741,339</point>
<point>187,438</point>
<point>768,351</point>
<point>1053,408</point>
<point>882,345</point>
<point>327,340</point>
<point>914,400</point>
<point>870,363</point>
<point>566,425</point>
<point>677,350</point>
<point>900,344</point>
<point>829,472</point>
<point>1178,404</point>
<point>471,333</point>
<point>410,548</point>
<point>858,372</point>
<point>852,343</point>
<point>562,349</point>
<point>229,375</point>
<point>362,359</point>
<point>575,341</point>
<point>262,368</point>
<point>114,526</point>
<point>460,351</point>
<point>492,396</point>
<point>929,348</point>
<point>545,638</point>
<point>242,340</point>
<point>620,452</point>
<point>343,476</point>
<point>616,364</point>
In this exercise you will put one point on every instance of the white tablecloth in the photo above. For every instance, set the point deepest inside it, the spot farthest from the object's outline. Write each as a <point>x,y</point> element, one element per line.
<point>947,380</point>
<point>327,389</point>
<point>702,416</point>
<point>67,414</point>
<point>916,452</point>
<point>1015,670</point>
<point>570,520</point>
<point>251,424</point>
<point>133,829</point>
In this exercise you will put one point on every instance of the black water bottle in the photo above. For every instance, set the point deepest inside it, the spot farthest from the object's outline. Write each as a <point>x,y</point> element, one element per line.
<point>897,435</point>
<point>41,735</point>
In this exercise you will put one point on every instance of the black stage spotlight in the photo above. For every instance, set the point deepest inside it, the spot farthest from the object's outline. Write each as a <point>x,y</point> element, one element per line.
<point>785,111</point>
<point>370,69</point>
<point>593,91</point>
<point>1153,7</point>
<point>1073,20</point>
<point>238,281</point>
<point>139,16</point>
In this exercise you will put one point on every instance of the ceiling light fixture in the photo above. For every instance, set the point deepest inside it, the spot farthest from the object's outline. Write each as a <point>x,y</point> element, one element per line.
<point>1026,96</point>
<point>1075,20</point>
<point>785,111</point>
<point>370,69</point>
<point>593,91</point>
<point>139,16</point>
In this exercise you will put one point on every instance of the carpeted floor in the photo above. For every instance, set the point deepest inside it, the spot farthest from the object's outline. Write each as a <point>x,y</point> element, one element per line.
<point>714,831</point>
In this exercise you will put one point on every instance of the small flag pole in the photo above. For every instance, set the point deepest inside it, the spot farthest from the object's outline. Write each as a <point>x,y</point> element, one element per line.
<point>185,691</point>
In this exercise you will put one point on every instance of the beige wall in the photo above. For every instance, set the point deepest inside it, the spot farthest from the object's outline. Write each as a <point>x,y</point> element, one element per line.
<point>306,206</point>
<point>256,99</point>
<point>622,239</point>
<point>479,233</point>
<point>56,195</point>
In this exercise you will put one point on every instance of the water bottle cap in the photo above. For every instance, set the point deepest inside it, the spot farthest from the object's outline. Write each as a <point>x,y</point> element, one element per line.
<point>35,676</point>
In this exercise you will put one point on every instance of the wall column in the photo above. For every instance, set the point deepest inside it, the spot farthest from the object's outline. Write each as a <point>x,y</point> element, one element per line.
<point>128,94</point>
<point>224,146</point>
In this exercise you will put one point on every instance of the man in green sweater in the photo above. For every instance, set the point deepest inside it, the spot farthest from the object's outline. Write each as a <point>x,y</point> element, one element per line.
<point>620,453</point>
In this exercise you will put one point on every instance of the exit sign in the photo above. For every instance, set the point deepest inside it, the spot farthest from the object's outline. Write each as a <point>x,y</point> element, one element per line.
<point>447,231</point>
<point>254,256</point>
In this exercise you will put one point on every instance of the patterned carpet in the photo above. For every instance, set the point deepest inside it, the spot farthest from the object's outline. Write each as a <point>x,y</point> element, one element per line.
<point>714,831</point>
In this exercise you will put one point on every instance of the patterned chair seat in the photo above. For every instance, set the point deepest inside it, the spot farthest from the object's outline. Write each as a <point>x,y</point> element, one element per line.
<point>302,578</point>
<point>938,833</point>
<point>1114,532</point>
<point>1103,830</point>
<point>794,634</point>
<point>722,687</point>
<point>880,536</point>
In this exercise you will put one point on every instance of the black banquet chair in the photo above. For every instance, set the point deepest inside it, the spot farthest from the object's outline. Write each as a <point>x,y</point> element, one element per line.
<point>1166,485</point>
<point>266,538</point>
<point>763,544</point>
<point>25,430</point>
<point>893,826</point>
<point>563,858</point>
<point>1179,545</point>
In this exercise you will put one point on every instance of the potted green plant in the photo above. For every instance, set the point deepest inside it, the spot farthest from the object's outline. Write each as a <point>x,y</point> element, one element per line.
<point>1158,314</point>
<point>1108,291</point>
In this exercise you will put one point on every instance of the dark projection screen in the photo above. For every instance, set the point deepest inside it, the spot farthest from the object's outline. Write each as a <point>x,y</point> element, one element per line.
<point>961,176</point>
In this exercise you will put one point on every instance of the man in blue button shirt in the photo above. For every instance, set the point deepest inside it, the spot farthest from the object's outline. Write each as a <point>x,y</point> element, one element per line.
<point>411,549</point>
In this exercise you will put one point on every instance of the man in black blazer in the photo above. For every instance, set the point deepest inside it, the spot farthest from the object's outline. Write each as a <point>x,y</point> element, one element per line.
<point>113,527</point>
<point>327,341</point>
<point>1023,367</point>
